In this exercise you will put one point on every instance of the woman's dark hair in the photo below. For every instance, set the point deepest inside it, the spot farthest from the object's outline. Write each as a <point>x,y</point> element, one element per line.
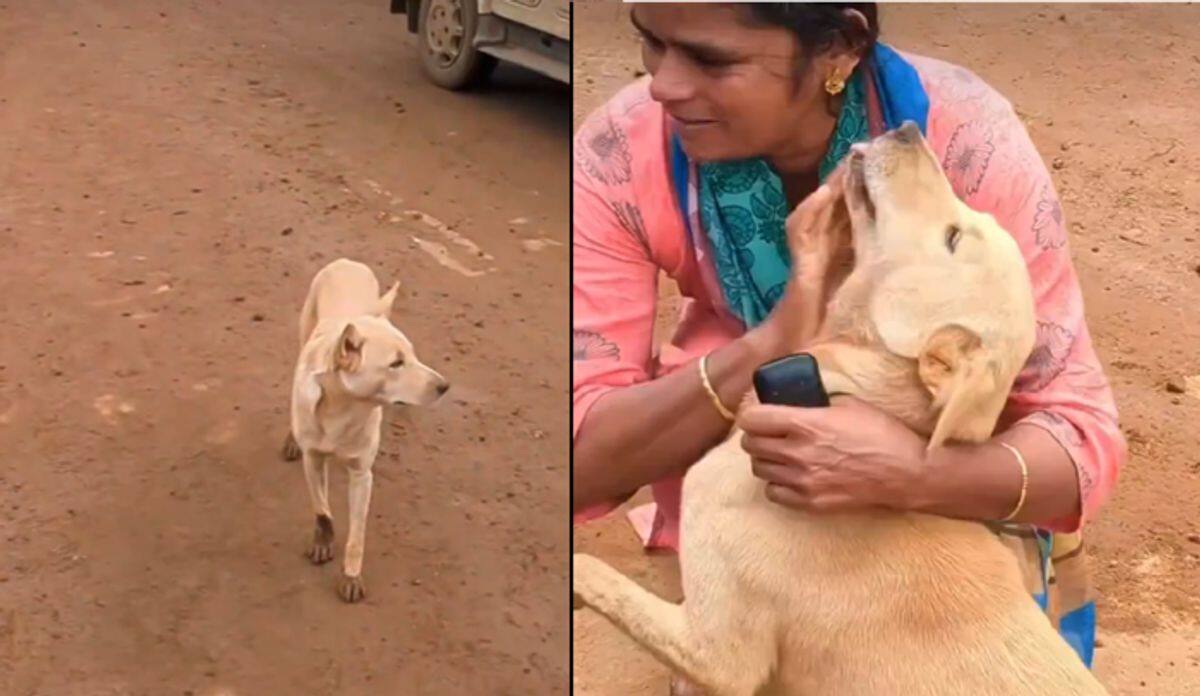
<point>820,26</point>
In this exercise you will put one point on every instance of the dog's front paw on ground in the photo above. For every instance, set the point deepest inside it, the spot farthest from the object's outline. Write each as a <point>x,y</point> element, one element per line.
<point>320,553</point>
<point>291,449</point>
<point>351,589</point>
<point>321,550</point>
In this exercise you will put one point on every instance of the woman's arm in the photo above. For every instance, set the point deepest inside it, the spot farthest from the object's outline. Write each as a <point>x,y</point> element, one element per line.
<point>984,481</point>
<point>629,431</point>
<point>639,434</point>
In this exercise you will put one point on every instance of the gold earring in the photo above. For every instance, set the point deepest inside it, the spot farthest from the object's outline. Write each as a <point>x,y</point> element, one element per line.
<point>834,84</point>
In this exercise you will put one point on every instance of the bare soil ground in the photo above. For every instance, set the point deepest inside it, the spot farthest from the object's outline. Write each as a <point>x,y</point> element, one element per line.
<point>1111,97</point>
<point>171,176</point>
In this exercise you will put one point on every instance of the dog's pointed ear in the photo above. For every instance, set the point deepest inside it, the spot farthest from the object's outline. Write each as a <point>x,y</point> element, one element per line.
<point>964,380</point>
<point>347,356</point>
<point>387,300</point>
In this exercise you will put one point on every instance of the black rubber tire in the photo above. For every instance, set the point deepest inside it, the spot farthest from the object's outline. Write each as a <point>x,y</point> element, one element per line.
<point>470,68</point>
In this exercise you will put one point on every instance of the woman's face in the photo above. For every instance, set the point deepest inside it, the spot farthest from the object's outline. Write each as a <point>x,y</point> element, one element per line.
<point>732,88</point>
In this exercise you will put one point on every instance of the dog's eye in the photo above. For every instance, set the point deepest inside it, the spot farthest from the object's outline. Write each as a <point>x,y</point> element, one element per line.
<point>398,362</point>
<point>953,234</point>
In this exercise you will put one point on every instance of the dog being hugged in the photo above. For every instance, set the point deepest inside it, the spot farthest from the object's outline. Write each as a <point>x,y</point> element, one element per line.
<point>353,362</point>
<point>931,325</point>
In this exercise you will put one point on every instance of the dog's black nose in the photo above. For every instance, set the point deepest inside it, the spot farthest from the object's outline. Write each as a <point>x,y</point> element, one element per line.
<point>907,133</point>
<point>443,388</point>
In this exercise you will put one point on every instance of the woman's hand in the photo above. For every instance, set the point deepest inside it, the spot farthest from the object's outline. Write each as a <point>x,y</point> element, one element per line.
<point>819,235</point>
<point>820,242</point>
<point>850,456</point>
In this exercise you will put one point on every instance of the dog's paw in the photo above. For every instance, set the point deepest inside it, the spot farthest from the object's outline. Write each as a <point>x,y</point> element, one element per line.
<point>291,450</point>
<point>350,589</point>
<point>321,550</point>
<point>320,553</point>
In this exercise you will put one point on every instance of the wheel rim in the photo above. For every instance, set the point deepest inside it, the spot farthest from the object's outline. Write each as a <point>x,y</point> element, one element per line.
<point>444,31</point>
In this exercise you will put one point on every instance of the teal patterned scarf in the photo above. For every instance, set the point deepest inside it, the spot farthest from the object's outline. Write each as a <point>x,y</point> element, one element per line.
<point>743,209</point>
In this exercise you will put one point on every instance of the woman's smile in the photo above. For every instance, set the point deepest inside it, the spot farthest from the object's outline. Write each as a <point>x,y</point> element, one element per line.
<point>699,136</point>
<point>690,122</point>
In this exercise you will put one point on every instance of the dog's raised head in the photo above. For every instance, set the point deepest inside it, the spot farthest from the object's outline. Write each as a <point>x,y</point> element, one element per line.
<point>375,361</point>
<point>950,288</point>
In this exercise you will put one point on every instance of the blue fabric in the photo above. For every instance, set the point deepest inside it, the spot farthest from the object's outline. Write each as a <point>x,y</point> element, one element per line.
<point>1077,627</point>
<point>679,173</point>
<point>1045,543</point>
<point>902,97</point>
<point>1079,630</point>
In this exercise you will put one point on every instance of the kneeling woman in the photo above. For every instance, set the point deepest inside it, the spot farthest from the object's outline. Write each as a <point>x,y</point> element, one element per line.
<point>693,170</point>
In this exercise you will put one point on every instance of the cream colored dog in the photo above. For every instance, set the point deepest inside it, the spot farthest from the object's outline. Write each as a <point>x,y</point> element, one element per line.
<point>353,362</point>
<point>932,325</point>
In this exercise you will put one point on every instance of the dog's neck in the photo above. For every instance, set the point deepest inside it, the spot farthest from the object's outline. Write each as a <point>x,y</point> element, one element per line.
<point>336,399</point>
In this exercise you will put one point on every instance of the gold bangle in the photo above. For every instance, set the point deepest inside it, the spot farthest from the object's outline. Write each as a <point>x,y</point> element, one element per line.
<point>712,393</point>
<point>1024,481</point>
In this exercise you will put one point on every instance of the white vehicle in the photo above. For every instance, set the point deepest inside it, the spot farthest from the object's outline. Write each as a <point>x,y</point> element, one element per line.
<point>461,41</point>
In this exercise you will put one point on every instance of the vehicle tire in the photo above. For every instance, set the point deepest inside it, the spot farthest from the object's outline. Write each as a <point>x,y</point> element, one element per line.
<point>445,33</point>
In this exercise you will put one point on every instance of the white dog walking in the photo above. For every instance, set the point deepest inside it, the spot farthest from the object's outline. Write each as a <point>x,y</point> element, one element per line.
<point>353,361</point>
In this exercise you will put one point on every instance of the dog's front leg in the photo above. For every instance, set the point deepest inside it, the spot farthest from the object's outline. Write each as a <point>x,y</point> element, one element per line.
<point>351,587</point>
<point>291,449</point>
<point>724,665</point>
<point>316,473</point>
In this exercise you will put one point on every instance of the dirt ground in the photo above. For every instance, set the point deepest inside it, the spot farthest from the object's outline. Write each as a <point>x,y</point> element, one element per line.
<point>1111,96</point>
<point>171,176</point>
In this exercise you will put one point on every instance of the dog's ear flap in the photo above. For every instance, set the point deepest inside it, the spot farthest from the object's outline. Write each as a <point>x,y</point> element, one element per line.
<point>964,380</point>
<point>347,356</point>
<point>387,300</point>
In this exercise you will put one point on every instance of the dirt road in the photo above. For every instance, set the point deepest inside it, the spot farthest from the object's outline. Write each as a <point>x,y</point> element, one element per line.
<point>1111,96</point>
<point>171,176</point>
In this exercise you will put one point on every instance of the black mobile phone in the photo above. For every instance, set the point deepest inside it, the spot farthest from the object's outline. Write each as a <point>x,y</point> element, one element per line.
<point>794,380</point>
